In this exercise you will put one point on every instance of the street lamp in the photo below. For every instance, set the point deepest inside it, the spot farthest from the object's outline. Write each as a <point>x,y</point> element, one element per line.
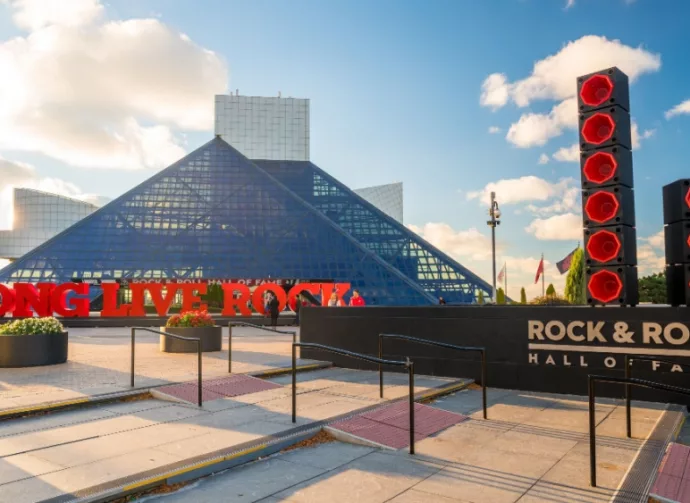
<point>495,215</point>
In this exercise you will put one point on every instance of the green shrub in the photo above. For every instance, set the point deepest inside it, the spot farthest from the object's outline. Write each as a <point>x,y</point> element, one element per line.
<point>523,296</point>
<point>550,290</point>
<point>191,319</point>
<point>32,326</point>
<point>500,296</point>
<point>550,300</point>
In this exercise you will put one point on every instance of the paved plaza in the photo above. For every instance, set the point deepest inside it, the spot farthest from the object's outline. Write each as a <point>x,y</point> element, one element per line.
<point>532,448</point>
<point>99,363</point>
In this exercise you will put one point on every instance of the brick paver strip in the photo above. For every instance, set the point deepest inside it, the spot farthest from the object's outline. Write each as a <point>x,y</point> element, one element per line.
<point>673,478</point>
<point>390,426</point>
<point>684,491</point>
<point>215,389</point>
<point>239,385</point>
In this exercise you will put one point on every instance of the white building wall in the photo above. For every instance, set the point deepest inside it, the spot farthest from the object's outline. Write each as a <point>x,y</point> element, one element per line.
<point>388,198</point>
<point>274,129</point>
<point>39,216</point>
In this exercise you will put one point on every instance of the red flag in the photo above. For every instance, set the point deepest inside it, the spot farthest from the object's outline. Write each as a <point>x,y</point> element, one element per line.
<point>540,271</point>
<point>501,274</point>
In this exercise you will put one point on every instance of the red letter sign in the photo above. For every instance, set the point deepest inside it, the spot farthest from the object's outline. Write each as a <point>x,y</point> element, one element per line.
<point>229,300</point>
<point>81,304</point>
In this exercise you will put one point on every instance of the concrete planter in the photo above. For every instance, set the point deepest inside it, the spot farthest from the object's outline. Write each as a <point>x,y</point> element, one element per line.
<point>33,350</point>
<point>211,339</point>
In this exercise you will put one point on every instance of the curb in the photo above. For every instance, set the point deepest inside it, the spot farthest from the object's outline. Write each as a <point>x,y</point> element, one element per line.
<point>55,406</point>
<point>265,374</point>
<point>111,397</point>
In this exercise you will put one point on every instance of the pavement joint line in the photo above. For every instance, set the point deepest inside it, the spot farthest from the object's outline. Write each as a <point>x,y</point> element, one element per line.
<point>112,397</point>
<point>50,447</point>
<point>251,450</point>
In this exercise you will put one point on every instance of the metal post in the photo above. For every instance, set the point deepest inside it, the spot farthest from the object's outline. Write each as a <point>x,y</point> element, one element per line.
<point>410,370</point>
<point>592,437</point>
<point>493,246</point>
<point>484,382</point>
<point>294,383</point>
<point>229,348</point>
<point>198,347</point>
<point>131,377</point>
<point>495,214</point>
<point>380,367</point>
<point>628,371</point>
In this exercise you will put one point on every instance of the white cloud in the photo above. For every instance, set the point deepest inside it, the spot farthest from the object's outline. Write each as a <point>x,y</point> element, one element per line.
<point>460,244</point>
<point>16,174</point>
<point>520,190</point>
<point>473,249</point>
<point>569,4</point>
<point>637,137</point>
<point>568,154</point>
<point>565,227</point>
<point>650,254</point>
<point>494,130</point>
<point>536,129</point>
<point>657,240</point>
<point>554,76</point>
<point>35,14</point>
<point>88,95</point>
<point>495,91</point>
<point>567,200</point>
<point>681,108</point>
<point>543,159</point>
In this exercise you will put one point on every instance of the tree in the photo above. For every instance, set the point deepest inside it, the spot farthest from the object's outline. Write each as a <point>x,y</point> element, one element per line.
<point>653,289</point>
<point>550,290</point>
<point>523,296</point>
<point>575,290</point>
<point>480,299</point>
<point>500,296</point>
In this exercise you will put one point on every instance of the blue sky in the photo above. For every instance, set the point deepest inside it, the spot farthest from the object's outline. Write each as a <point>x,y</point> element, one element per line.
<point>395,93</point>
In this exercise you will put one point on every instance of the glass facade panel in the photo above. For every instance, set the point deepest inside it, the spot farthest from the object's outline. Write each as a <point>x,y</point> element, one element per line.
<point>215,214</point>
<point>402,249</point>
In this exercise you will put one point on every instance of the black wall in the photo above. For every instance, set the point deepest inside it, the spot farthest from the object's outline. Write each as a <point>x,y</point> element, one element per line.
<point>504,332</point>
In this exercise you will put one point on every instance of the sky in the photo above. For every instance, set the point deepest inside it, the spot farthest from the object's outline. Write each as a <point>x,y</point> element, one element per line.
<point>454,98</point>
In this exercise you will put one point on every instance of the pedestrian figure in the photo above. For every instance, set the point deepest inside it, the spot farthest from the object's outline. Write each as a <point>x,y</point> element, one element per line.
<point>273,306</point>
<point>334,301</point>
<point>357,300</point>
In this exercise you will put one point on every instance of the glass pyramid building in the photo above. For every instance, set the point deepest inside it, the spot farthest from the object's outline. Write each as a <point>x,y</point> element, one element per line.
<point>216,214</point>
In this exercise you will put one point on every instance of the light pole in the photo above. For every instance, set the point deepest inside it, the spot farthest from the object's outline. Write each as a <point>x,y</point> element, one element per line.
<point>495,215</point>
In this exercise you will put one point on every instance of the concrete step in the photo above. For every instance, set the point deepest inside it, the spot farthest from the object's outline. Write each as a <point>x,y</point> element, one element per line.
<point>111,450</point>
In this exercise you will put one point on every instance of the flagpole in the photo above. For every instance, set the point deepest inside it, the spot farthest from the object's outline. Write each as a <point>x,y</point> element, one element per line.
<point>505,278</point>
<point>543,270</point>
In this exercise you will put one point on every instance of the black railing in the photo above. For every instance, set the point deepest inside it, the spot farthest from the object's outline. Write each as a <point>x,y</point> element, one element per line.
<point>440,345</point>
<point>372,359</point>
<point>251,325</point>
<point>195,340</point>
<point>593,379</point>
<point>628,375</point>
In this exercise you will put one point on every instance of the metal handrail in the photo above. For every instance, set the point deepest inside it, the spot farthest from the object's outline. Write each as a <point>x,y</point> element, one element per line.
<point>196,340</point>
<point>592,380</point>
<point>260,327</point>
<point>628,375</point>
<point>408,364</point>
<point>438,344</point>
